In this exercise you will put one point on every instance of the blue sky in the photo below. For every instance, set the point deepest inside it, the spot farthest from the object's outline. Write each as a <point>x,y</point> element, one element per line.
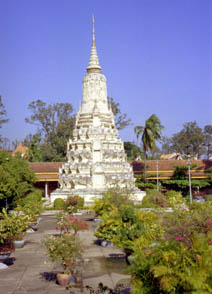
<point>155,54</point>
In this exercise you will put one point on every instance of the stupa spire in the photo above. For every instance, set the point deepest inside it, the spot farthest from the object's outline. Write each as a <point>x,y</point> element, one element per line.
<point>93,22</point>
<point>93,65</point>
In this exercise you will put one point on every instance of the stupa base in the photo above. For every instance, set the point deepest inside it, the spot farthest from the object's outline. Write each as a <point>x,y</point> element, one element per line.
<point>90,194</point>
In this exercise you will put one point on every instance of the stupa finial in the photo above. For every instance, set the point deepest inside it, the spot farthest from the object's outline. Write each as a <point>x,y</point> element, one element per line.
<point>93,65</point>
<point>93,22</point>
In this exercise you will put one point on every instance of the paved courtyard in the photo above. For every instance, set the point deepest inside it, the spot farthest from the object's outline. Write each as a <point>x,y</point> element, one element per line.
<point>29,272</point>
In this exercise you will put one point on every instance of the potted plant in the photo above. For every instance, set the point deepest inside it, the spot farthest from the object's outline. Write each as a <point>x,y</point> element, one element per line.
<point>67,251</point>
<point>16,226</point>
<point>67,223</point>
<point>6,245</point>
<point>18,230</point>
<point>32,212</point>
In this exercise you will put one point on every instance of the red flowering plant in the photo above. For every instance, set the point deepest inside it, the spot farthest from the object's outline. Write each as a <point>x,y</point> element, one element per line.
<point>67,223</point>
<point>73,204</point>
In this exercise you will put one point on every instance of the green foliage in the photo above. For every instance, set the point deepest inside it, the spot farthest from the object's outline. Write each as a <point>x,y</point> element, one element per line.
<point>180,260</point>
<point>14,225</point>
<point>180,172</point>
<point>180,182</point>
<point>32,210</point>
<point>208,198</point>
<point>35,150</point>
<point>101,289</point>
<point>31,205</point>
<point>121,120</point>
<point>65,249</point>
<point>55,125</point>
<point>133,151</point>
<point>59,203</point>
<point>189,140</point>
<point>16,180</point>
<point>111,199</point>
<point>154,198</point>
<point>150,184</point>
<point>125,224</point>
<point>150,133</point>
<point>175,199</point>
<point>208,140</point>
<point>73,203</point>
<point>4,233</point>
<point>34,196</point>
<point>3,119</point>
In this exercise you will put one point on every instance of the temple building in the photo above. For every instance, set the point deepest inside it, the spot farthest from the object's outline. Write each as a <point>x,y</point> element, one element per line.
<point>96,160</point>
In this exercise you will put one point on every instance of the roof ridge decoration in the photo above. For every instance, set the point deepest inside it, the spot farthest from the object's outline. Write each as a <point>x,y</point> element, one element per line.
<point>93,65</point>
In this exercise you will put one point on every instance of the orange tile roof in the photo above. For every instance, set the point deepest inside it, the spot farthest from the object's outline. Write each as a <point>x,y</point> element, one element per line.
<point>48,171</point>
<point>47,167</point>
<point>20,149</point>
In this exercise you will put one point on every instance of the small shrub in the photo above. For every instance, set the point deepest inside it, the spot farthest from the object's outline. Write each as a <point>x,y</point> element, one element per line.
<point>111,199</point>
<point>155,198</point>
<point>174,198</point>
<point>32,197</point>
<point>180,261</point>
<point>73,203</point>
<point>65,249</point>
<point>105,289</point>
<point>208,198</point>
<point>59,203</point>
<point>67,223</point>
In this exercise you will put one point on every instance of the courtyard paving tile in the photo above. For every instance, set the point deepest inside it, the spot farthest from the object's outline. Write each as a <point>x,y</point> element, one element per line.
<point>29,272</point>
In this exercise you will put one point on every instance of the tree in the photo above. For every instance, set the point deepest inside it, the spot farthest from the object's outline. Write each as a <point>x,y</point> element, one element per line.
<point>121,120</point>
<point>3,118</point>
<point>5,143</point>
<point>208,140</point>
<point>154,153</point>
<point>35,153</point>
<point>150,133</point>
<point>166,147</point>
<point>189,140</point>
<point>133,151</point>
<point>16,180</point>
<point>179,181</point>
<point>55,124</point>
<point>2,113</point>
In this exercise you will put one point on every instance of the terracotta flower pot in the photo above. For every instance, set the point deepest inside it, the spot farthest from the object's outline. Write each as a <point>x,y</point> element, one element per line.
<point>6,250</point>
<point>63,279</point>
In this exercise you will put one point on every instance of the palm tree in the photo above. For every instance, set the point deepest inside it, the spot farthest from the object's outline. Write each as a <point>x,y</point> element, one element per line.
<point>150,133</point>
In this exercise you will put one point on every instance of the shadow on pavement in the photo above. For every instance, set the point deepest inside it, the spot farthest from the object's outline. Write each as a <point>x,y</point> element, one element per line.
<point>9,261</point>
<point>49,276</point>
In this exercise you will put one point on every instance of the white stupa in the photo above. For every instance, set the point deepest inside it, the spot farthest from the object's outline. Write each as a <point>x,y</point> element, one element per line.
<point>96,160</point>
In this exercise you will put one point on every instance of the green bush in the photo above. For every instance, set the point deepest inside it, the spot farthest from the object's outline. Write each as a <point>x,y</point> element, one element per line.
<point>111,199</point>
<point>65,249</point>
<point>59,203</point>
<point>175,198</point>
<point>124,225</point>
<point>155,199</point>
<point>208,198</point>
<point>34,196</point>
<point>16,179</point>
<point>180,261</point>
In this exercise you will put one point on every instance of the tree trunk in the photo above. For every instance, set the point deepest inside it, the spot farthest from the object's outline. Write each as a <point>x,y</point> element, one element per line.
<point>145,166</point>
